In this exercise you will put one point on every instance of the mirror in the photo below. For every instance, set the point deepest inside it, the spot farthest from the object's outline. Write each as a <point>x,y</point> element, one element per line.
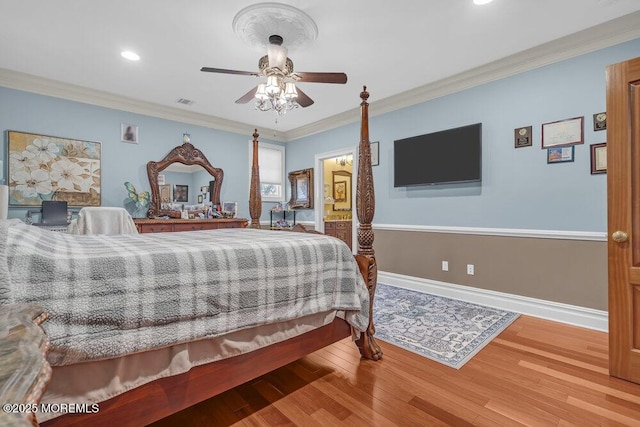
<point>185,154</point>
<point>341,191</point>
<point>301,189</point>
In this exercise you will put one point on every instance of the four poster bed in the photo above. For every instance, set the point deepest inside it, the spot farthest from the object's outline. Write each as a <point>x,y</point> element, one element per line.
<point>173,361</point>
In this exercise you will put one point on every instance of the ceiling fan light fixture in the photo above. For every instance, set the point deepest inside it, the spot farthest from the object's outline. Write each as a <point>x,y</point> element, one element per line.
<point>273,86</point>
<point>290,91</point>
<point>261,92</point>
<point>281,100</point>
<point>277,56</point>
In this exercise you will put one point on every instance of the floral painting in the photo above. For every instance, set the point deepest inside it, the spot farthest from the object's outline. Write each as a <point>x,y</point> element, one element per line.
<point>45,167</point>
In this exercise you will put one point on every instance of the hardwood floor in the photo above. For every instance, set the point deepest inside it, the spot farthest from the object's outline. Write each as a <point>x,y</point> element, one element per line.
<point>536,372</point>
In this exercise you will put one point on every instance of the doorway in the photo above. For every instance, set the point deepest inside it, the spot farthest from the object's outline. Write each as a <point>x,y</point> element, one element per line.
<point>335,178</point>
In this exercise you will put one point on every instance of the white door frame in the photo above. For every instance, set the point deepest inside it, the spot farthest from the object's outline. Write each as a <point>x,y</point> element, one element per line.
<point>318,184</point>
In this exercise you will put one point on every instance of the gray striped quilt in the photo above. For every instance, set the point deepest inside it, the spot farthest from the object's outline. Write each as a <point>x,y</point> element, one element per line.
<point>114,295</point>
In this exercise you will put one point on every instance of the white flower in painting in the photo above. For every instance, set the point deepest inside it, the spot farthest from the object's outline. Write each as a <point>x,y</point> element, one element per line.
<point>43,149</point>
<point>66,173</point>
<point>22,160</point>
<point>30,184</point>
<point>92,173</point>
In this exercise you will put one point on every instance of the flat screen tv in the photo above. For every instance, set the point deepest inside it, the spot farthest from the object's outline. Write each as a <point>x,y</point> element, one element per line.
<point>448,156</point>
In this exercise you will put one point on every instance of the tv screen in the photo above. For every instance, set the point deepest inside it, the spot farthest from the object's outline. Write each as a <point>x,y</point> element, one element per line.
<point>448,156</point>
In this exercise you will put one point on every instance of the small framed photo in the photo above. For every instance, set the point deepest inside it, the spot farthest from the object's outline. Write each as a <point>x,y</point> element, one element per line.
<point>129,133</point>
<point>231,207</point>
<point>600,121</point>
<point>200,199</point>
<point>181,193</point>
<point>598,158</point>
<point>165,193</point>
<point>563,132</point>
<point>375,153</point>
<point>522,137</point>
<point>560,154</point>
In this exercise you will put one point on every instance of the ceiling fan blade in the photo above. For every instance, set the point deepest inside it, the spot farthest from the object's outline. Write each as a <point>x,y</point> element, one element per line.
<point>303,99</point>
<point>247,96</point>
<point>223,71</point>
<point>340,78</point>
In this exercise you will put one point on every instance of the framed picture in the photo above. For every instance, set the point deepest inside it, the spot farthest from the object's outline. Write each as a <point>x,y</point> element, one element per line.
<point>200,199</point>
<point>165,193</point>
<point>129,133</point>
<point>43,167</point>
<point>560,154</point>
<point>375,153</point>
<point>522,137</point>
<point>598,158</point>
<point>600,121</point>
<point>563,133</point>
<point>342,190</point>
<point>181,193</point>
<point>301,189</point>
<point>231,207</point>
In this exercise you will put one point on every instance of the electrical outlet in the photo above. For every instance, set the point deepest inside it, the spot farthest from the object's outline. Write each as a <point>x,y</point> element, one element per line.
<point>471,269</point>
<point>445,265</point>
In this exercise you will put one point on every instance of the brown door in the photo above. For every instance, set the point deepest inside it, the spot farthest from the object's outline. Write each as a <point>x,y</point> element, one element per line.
<point>623,187</point>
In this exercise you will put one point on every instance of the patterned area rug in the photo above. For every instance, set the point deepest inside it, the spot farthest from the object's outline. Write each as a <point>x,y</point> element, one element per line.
<point>446,330</point>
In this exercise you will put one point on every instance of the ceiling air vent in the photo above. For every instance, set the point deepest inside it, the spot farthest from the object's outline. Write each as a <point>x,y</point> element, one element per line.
<point>184,101</point>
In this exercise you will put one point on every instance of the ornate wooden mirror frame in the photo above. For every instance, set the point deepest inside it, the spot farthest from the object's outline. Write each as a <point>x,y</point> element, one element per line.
<point>301,189</point>
<point>186,154</point>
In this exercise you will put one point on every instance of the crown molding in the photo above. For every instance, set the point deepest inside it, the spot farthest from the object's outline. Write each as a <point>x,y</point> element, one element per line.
<point>595,38</point>
<point>601,36</point>
<point>43,86</point>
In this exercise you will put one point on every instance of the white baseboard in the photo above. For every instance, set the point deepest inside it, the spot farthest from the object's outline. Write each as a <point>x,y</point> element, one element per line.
<point>558,312</point>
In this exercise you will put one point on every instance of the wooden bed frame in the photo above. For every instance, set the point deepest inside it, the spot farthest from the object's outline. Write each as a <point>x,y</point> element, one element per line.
<point>165,396</point>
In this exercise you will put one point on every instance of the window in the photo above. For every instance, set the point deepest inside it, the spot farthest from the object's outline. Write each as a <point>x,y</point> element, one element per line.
<point>271,162</point>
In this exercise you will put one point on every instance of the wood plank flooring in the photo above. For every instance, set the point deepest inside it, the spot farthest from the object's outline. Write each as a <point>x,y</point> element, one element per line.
<point>536,373</point>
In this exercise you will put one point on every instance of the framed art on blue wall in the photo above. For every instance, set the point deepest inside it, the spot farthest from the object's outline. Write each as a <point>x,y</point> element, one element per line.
<point>598,158</point>
<point>563,132</point>
<point>560,154</point>
<point>43,167</point>
<point>375,153</point>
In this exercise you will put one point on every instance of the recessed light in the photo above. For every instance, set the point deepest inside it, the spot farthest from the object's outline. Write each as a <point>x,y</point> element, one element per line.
<point>131,56</point>
<point>482,1</point>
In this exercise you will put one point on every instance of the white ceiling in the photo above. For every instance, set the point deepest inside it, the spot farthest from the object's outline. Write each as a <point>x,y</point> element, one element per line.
<point>391,46</point>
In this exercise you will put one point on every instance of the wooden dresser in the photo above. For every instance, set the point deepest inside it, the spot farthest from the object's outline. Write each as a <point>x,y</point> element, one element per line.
<point>24,371</point>
<point>148,225</point>
<point>339,229</point>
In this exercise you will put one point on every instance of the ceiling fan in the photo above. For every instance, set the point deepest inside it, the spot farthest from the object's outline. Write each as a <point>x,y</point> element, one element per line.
<point>277,68</point>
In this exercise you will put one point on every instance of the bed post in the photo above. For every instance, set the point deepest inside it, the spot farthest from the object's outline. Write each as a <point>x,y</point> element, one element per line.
<point>255,198</point>
<point>365,208</point>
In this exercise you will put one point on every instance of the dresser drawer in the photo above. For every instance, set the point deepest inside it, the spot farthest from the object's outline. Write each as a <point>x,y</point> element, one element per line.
<point>190,227</point>
<point>155,228</point>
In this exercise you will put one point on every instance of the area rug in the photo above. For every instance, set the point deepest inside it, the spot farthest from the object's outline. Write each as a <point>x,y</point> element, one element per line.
<point>443,329</point>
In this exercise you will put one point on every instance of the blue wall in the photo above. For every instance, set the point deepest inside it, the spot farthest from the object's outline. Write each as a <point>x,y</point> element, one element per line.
<point>519,189</point>
<point>28,112</point>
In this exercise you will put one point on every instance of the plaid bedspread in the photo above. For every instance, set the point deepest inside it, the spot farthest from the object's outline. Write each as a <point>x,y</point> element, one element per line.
<point>114,295</point>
